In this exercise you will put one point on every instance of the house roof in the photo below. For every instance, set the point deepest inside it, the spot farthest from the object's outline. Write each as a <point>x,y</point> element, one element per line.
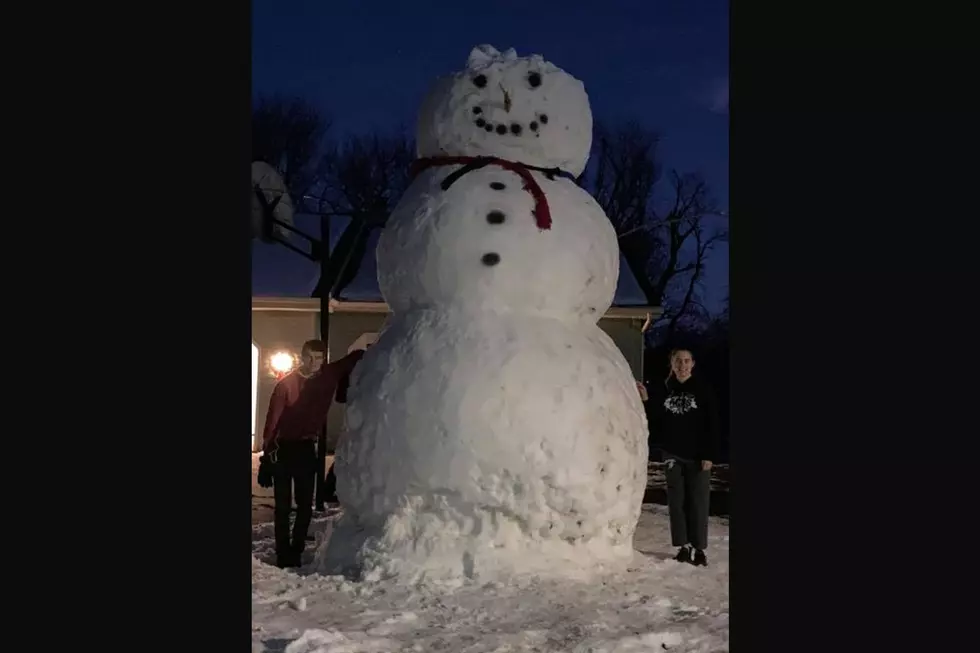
<point>312,305</point>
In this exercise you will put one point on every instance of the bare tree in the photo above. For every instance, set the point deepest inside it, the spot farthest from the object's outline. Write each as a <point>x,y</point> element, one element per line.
<point>686,230</point>
<point>362,178</point>
<point>664,226</point>
<point>287,133</point>
<point>624,172</point>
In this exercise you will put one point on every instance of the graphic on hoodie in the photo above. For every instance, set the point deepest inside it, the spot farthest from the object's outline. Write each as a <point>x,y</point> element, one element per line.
<point>680,403</point>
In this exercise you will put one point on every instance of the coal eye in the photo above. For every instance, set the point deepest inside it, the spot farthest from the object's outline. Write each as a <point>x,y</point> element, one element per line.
<point>534,79</point>
<point>480,81</point>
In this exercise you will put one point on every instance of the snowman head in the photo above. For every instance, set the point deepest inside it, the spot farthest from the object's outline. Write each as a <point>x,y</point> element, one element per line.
<point>522,109</point>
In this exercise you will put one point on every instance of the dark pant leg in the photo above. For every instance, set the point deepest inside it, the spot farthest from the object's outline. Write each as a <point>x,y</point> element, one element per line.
<point>698,493</point>
<point>331,483</point>
<point>676,491</point>
<point>304,476</point>
<point>283,494</point>
<point>322,493</point>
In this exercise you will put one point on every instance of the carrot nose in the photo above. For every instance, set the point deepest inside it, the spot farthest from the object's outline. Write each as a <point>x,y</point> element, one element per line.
<point>507,101</point>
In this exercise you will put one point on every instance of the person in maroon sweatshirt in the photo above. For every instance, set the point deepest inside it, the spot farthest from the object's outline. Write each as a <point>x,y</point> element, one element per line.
<point>297,411</point>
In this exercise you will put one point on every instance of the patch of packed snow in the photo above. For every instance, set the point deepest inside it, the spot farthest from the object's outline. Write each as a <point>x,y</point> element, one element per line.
<point>655,605</point>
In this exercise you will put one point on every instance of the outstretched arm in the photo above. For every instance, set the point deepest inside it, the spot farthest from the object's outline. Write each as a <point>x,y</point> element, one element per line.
<point>350,360</point>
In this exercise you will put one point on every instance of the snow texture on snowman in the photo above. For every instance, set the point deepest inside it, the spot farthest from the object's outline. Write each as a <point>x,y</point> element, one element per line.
<point>493,428</point>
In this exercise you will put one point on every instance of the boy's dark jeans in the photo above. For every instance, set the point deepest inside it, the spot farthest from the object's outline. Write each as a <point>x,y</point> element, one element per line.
<point>295,467</point>
<point>688,497</point>
<point>326,484</point>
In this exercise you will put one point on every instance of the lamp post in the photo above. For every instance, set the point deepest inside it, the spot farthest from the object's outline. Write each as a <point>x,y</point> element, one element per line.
<point>332,268</point>
<point>324,296</point>
<point>319,485</point>
<point>332,265</point>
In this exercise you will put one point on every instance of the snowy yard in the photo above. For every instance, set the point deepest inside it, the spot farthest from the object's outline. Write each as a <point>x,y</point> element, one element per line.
<point>657,605</point>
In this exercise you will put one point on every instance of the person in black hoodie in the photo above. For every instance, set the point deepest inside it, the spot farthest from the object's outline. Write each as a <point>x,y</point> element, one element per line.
<point>685,421</point>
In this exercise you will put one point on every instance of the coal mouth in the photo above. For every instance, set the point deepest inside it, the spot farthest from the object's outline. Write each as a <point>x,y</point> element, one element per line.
<point>512,128</point>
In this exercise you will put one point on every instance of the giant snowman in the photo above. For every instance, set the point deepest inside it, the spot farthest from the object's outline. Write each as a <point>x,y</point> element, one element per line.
<point>493,428</point>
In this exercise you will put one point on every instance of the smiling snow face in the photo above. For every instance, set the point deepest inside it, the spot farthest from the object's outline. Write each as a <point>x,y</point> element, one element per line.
<point>520,109</point>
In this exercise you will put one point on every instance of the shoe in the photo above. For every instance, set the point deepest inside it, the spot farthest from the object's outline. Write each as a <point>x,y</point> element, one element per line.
<point>700,560</point>
<point>683,555</point>
<point>288,561</point>
<point>292,557</point>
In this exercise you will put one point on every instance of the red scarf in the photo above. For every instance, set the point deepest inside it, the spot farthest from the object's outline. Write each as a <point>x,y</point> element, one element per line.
<point>541,211</point>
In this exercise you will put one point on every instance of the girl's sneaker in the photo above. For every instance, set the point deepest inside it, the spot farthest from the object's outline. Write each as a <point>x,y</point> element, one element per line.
<point>684,555</point>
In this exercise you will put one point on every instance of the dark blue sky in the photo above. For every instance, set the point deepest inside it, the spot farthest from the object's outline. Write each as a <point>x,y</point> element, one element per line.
<point>367,63</point>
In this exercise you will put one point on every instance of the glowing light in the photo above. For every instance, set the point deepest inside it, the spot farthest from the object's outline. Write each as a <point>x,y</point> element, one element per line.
<point>282,362</point>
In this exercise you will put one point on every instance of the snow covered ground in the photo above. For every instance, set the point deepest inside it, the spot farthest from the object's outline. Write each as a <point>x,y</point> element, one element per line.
<point>657,605</point>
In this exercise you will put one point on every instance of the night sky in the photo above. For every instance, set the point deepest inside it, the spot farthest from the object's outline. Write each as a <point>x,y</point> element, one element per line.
<point>367,64</point>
